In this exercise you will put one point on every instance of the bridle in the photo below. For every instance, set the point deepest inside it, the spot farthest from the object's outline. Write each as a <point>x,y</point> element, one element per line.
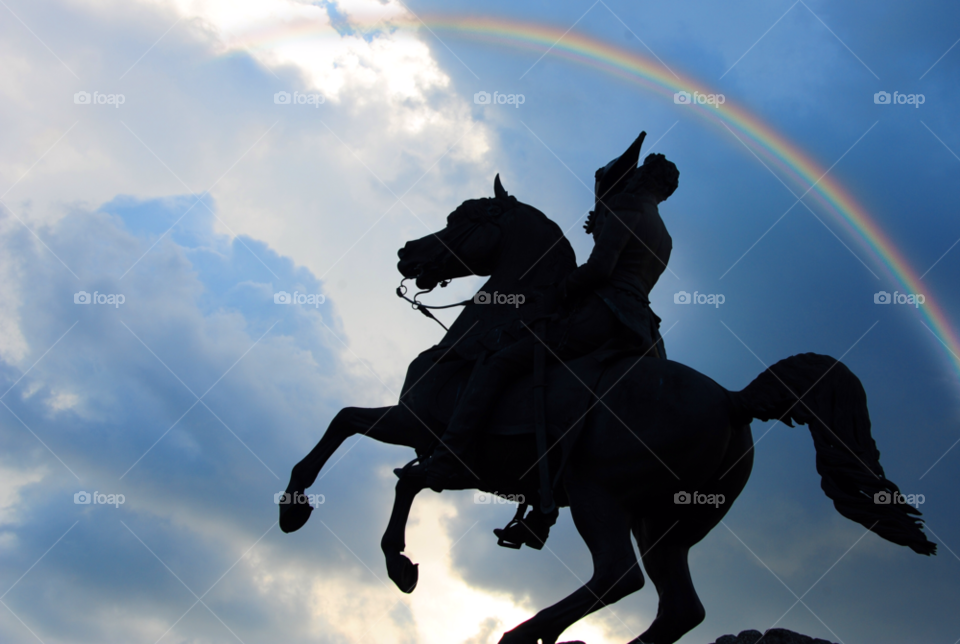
<point>425,308</point>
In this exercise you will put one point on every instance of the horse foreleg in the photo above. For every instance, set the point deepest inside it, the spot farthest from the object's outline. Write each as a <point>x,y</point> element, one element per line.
<point>384,424</point>
<point>401,570</point>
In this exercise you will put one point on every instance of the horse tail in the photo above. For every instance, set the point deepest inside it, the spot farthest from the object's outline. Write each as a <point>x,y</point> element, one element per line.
<point>822,393</point>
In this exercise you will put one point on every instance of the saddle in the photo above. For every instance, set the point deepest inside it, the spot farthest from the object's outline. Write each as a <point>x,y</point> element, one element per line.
<point>571,392</point>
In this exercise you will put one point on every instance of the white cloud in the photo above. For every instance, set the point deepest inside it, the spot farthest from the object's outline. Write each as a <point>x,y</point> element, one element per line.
<point>12,480</point>
<point>310,188</point>
<point>319,185</point>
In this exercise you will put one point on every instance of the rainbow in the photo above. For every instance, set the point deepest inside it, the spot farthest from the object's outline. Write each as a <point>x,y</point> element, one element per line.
<point>653,75</point>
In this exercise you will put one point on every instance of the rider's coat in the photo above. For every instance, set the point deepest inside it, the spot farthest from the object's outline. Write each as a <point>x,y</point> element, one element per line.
<point>631,252</point>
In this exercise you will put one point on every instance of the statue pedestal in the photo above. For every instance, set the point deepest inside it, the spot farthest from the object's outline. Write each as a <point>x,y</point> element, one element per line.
<point>772,636</point>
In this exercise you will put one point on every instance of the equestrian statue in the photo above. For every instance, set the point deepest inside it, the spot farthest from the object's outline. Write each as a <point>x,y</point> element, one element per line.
<point>553,386</point>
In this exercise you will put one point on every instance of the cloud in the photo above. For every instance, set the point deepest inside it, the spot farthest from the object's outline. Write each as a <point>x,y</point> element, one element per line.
<point>391,151</point>
<point>106,404</point>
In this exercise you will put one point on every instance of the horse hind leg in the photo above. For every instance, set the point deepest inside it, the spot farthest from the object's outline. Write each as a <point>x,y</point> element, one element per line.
<point>605,527</point>
<point>665,560</point>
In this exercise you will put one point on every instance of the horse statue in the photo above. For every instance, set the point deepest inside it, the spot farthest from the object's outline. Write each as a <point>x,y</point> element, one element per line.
<point>654,431</point>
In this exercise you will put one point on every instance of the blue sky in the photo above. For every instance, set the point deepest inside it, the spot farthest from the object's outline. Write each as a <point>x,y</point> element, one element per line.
<point>198,198</point>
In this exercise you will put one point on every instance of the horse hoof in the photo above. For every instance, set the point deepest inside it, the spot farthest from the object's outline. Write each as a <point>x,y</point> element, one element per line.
<point>520,637</point>
<point>403,572</point>
<point>294,516</point>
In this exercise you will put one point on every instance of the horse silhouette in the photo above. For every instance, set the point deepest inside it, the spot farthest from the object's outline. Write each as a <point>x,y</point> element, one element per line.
<point>655,432</point>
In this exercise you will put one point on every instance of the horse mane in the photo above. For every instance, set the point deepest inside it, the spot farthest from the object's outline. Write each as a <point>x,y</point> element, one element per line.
<point>542,232</point>
<point>539,254</point>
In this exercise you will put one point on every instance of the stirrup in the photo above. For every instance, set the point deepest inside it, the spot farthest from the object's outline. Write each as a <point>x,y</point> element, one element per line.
<point>400,471</point>
<point>502,537</point>
<point>516,521</point>
<point>427,479</point>
<point>403,473</point>
<point>527,535</point>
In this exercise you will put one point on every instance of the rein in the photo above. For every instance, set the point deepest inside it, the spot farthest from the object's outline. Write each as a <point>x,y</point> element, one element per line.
<point>425,308</point>
<point>462,234</point>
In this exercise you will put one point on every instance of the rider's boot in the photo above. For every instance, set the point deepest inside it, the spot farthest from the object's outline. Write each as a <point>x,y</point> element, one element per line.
<point>446,465</point>
<point>531,530</point>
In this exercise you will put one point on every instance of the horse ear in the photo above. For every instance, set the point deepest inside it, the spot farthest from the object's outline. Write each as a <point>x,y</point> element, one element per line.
<point>498,190</point>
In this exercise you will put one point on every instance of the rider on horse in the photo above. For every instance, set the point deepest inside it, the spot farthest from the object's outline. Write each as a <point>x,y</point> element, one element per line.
<point>606,300</point>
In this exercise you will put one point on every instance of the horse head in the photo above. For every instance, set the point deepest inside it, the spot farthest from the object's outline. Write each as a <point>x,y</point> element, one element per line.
<point>487,237</point>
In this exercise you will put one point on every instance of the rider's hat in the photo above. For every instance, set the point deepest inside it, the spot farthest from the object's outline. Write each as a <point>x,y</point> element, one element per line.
<point>611,178</point>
